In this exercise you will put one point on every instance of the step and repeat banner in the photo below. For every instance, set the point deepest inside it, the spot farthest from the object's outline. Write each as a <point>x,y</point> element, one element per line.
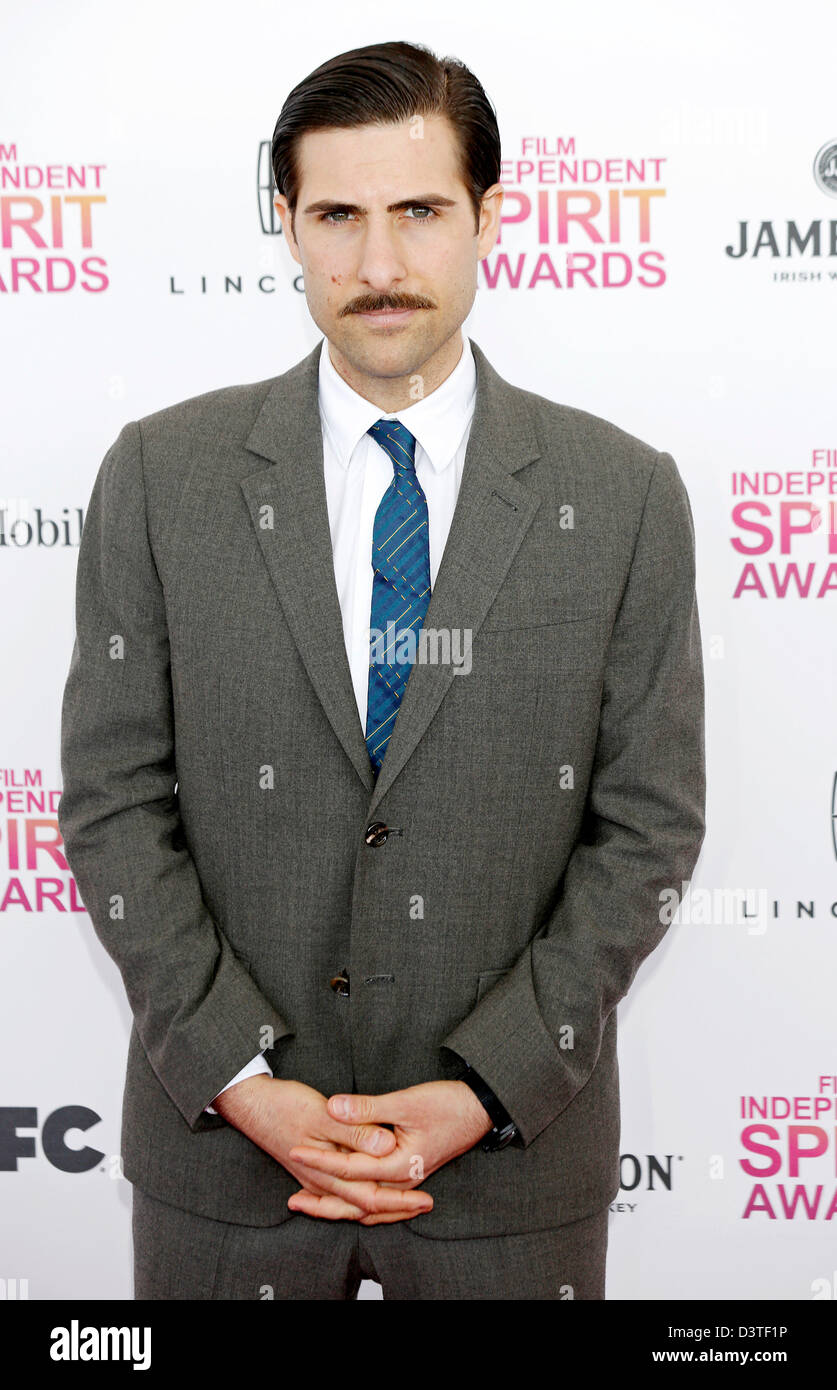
<point>668,260</point>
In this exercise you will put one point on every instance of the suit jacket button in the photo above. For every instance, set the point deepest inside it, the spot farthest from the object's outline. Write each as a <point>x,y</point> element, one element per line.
<point>340,983</point>
<point>376,834</point>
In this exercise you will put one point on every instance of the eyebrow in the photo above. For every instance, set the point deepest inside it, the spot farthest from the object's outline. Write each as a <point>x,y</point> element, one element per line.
<point>428,200</point>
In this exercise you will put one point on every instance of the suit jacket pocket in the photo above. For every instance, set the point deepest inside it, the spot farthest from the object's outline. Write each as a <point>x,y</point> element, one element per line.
<point>566,644</point>
<point>545,614</point>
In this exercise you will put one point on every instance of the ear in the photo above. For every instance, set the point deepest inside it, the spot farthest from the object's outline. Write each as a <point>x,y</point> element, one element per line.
<point>280,203</point>
<point>490,207</point>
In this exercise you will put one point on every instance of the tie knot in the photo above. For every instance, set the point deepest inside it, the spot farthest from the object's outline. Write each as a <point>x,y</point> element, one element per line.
<point>395,439</point>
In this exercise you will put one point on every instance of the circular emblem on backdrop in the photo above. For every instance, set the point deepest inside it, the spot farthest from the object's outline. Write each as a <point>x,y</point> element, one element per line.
<point>825,168</point>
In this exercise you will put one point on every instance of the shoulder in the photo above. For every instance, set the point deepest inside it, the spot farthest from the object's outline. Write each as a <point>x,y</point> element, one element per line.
<point>222,416</point>
<point>617,468</point>
<point>592,458</point>
<point>572,441</point>
<point>599,445</point>
<point>189,449</point>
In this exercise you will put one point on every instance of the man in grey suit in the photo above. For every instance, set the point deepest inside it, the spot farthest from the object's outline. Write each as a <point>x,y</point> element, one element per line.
<point>375,899</point>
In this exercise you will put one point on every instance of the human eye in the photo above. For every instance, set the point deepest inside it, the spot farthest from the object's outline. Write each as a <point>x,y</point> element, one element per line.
<point>422,207</point>
<point>329,216</point>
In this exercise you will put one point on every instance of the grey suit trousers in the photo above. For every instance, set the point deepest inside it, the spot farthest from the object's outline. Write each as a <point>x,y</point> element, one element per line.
<point>179,1254</point>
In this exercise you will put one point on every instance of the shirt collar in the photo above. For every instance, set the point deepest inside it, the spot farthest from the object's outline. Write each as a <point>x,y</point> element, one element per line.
<point>438,421</point>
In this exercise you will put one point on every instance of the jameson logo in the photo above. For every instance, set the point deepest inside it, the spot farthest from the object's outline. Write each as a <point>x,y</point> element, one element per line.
<point>785,239</point>
<point>792,240</point>
<point>432,646</point>
<point>75,1343</point>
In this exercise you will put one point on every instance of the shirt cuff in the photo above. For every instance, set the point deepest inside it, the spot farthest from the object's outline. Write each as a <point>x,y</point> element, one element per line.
<point>253,1068</point>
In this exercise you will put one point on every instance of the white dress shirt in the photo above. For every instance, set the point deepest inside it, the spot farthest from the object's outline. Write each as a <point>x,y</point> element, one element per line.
<point>357,473</point>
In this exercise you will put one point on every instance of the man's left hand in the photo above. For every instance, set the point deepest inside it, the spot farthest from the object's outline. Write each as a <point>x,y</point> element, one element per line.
<point>433,1123</point>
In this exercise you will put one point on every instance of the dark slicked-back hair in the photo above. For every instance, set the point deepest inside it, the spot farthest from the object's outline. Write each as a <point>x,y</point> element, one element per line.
<point>384,84</point>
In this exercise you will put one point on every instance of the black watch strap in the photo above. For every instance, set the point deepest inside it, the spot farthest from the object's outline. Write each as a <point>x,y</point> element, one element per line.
<point>504,1128</point>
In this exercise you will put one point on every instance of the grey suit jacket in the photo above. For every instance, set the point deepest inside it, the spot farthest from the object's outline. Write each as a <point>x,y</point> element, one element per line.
<point>217,790</point>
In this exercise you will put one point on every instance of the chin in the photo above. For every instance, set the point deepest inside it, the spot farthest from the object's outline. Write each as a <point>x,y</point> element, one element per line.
<point>386,348</point>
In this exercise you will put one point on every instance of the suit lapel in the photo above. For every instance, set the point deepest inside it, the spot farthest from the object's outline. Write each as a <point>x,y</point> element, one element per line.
<point>288,509</point>
<point>492,515</point>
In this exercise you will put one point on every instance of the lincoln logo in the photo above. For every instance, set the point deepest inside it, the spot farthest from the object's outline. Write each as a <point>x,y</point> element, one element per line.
<point>271,226</point>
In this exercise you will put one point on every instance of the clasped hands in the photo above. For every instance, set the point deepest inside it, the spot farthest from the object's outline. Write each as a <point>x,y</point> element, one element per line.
<point>358,1157</point>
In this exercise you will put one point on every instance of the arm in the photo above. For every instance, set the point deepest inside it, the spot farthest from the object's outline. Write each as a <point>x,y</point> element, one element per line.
<point>198,1012</point>
<point>642,833</point>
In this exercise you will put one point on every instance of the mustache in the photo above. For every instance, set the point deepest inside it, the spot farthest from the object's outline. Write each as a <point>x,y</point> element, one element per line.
<point>370,303</point>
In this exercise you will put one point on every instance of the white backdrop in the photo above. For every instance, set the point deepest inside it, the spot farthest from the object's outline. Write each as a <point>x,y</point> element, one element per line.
<point>115,307</point>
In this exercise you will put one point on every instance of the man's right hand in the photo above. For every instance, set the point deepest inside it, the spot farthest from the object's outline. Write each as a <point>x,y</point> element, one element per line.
<point>278,1115</point>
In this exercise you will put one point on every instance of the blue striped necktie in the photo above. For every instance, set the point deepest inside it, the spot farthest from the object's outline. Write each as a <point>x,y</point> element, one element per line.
<point>400,587</point>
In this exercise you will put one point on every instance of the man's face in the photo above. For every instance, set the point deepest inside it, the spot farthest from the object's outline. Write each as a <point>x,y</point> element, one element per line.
<point>359,251</point>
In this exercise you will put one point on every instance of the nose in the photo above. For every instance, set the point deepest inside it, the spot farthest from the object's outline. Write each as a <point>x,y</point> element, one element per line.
<point>381,263</point>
